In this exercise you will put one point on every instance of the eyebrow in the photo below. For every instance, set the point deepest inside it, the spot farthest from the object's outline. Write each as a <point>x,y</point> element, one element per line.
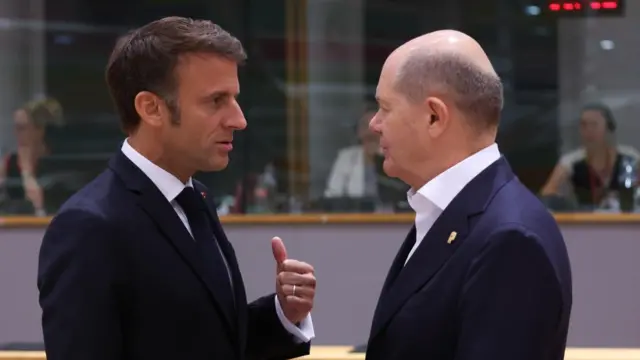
<point>217,94</point>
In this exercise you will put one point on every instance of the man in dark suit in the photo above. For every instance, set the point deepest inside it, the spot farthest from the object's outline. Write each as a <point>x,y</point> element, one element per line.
<point>136,264</point>
<point>484,272</point>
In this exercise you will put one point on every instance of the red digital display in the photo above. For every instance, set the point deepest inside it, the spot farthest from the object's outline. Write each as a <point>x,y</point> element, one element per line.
<point>586,7</point>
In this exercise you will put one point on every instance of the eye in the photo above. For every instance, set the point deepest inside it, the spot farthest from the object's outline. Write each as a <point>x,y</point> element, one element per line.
<point>219,100</point>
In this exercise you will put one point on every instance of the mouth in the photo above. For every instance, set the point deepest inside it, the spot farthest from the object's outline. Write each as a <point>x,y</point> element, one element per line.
<point>225,145</point>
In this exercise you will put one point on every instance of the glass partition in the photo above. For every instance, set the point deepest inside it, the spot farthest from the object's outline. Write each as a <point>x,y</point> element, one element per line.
<point>569,125</point>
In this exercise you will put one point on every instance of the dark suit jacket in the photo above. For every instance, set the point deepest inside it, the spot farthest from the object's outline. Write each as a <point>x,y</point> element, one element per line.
<point>500,291</point>
<point>120,278</point>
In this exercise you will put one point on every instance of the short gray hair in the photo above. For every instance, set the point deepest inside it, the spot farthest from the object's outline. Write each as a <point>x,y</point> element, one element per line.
<point>475,92</point>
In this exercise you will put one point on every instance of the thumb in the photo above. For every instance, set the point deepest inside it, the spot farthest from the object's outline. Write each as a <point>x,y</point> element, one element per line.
<point>279,251</point>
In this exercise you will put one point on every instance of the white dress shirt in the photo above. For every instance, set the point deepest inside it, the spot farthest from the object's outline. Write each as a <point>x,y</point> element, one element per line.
<point>170,186</point>
<point>431,199</point>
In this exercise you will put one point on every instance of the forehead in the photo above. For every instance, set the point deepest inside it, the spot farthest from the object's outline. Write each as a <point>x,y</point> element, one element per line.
<point>202,72</point>
<point>21,116</point>
<point>386,89</point>
<point>592,115</point>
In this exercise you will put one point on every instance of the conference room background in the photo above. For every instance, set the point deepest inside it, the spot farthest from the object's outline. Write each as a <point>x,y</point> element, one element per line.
<point>310,78</point>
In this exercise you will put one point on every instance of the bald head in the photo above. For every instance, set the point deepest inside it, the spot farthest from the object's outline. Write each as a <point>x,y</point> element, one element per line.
<point>451,64</point>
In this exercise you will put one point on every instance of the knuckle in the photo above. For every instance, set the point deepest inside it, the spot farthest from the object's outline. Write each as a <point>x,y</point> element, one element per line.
<point>312,281</point>
<point>281,277</point>
<point>287,263</point>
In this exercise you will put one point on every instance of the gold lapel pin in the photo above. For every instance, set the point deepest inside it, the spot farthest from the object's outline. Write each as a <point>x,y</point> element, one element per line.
<point>452,237</point>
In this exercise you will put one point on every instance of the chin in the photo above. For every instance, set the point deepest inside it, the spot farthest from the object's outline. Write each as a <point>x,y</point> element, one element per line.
<point>217,164</point>
<point>389,168</point>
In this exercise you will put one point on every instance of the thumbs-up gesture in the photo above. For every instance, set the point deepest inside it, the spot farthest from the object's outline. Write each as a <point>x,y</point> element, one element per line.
<point>295,283</point>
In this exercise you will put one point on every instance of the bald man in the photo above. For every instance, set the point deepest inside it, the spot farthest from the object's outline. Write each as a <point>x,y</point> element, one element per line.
<point>484,272</point>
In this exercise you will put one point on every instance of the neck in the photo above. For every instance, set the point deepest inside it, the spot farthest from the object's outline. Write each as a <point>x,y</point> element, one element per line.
<point>36,151</point>
<point>453,156</point>
<point>598,149</point>
<point>155,153</point>
<point>599,153</point>
<point>39,150</point>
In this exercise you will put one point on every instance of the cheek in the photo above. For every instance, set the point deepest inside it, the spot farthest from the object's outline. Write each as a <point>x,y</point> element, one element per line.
<point>399,133</point>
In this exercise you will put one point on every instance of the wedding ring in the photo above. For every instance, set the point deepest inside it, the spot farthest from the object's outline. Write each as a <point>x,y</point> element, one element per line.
<point>294,291</point>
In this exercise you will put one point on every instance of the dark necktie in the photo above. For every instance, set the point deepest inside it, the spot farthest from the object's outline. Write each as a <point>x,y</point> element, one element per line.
<point>195,209</point>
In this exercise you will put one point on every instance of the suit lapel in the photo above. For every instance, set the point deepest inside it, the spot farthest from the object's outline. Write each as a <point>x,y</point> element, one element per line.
<point>232,262</point>
<point>435,250</point>
<point>394,271</point>
<point>151,200</point>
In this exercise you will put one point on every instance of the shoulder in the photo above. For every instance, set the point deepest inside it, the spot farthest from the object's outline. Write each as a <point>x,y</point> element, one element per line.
<point>102,200</point>
<point>629,151</point>
<point>11,158</point>
<point>76,232</point>
<point>93,221</point>
<point>569,159</point>
<point>515,208</point>
<point>94,208</point>
<point>349,151</point>
<point>515,252</point>
<point>516,214</point>
<point>10,162</point>
<point>523,244</point>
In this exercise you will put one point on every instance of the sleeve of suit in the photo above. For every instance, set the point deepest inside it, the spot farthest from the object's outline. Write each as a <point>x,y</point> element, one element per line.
<point>511,301</point>
<point>78,282</point>
<point>268,338</point>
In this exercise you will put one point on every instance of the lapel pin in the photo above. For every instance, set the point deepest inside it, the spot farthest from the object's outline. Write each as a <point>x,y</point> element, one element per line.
<point>452,237</point>
<point>204,195</point>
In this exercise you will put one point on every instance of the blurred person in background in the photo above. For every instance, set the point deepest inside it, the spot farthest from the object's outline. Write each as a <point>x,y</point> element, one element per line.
<point>19,170</point>
<point>591,171</point>
<point>353,173</point>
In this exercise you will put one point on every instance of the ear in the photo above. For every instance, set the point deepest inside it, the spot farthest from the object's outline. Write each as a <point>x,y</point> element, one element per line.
<point>438,114</point>
<point>150,107</point>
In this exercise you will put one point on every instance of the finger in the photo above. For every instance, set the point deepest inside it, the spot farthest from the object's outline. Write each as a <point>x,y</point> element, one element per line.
<point>279,251</point>
<point>289,278</point>
<point>304,292</point>
<point>296,266</point>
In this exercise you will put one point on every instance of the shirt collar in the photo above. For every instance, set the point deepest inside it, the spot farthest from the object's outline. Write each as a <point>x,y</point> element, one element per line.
<point>442,189</point>
<point>169,185</point>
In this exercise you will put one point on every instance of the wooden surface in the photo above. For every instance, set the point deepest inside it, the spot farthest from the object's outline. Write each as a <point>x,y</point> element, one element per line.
<point>342,353</point>
<point>286,219</point>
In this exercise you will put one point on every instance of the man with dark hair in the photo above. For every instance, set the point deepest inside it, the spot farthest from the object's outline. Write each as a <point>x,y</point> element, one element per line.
<point>484,272</point>
<point>136,264</point>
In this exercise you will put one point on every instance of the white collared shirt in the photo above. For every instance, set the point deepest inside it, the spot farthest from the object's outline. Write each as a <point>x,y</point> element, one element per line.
<point>432,198</point>
<point>170,186</point>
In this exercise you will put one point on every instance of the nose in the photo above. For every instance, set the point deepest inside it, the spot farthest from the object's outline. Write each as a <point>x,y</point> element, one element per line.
<point>237,120</point>
<point>374,124</point>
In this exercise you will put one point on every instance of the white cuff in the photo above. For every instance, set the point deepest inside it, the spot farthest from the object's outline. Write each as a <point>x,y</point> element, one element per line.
<point>304,332</point>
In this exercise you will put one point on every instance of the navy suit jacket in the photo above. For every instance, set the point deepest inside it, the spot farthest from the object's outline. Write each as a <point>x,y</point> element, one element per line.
<point>120,278</point>
<point>501,290</point>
